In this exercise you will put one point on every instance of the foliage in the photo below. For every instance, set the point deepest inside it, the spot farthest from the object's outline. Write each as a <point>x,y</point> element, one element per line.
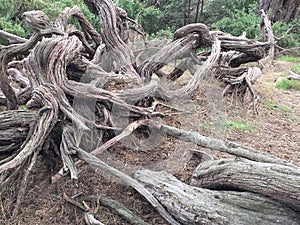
<point>172,14</point>
<point>161,17</point>
<point>132,7</point>
<point>147,16</point>
<point>216,10</point>
<point>287,34</point>
<point>240,21</point>
<point>150,19</point>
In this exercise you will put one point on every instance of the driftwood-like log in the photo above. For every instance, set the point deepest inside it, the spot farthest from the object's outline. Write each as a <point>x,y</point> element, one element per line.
<point>14,127</point>
<point>12,38</point>
<point>193,205</point>
<point>118,208</point>
<point>219,145</point>
<point>280,183</point>
<point>292,75</point>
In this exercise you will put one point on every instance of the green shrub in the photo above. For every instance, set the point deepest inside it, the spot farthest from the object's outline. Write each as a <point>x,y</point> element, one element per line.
<point>239,22</point>
<point>150,19</point>
<point>287,39</point>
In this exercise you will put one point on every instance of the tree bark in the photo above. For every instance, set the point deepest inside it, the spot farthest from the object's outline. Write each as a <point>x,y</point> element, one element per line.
<point>285,10</point>
<point>193,205</point>
<point>280,183</point>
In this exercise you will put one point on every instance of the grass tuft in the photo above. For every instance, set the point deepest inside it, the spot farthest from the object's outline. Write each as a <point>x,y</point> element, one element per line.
<point>296,68</point>
<point>288,59</point>
<point>238,125</point>
<point>286,84</point>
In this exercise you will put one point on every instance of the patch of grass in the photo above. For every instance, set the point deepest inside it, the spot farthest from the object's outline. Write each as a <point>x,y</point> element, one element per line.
<point>285,108</point>
<point>269,104</point>
<point>286,84</point>
<point>238,125</point>
<point>296,68</point>
<point>288,59</point>
<point>22,107</point>
<point>282,110</point>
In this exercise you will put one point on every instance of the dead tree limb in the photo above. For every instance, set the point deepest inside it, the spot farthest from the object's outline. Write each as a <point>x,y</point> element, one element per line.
<point>117,207</point>
<point>280,183</point>
<point>12,38</point>
<point>193,205</point>
<point>267,24</point>
<point>223,146</point>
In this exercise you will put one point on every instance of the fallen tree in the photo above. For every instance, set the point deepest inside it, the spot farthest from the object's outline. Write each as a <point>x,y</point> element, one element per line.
<point>77,86</point>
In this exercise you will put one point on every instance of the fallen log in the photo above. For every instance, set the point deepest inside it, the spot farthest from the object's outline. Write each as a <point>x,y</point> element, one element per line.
<point>194,205</point>
<point>277,182</point>
<point>292,75</point>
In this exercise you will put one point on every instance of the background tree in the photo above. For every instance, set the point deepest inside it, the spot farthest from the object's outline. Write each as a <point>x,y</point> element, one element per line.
<point>284,10</point>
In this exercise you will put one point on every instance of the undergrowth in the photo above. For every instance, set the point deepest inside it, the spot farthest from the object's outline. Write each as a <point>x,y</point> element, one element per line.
<point>286,84</point>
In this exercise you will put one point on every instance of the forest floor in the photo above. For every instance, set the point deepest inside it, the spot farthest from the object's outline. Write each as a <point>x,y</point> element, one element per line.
<point>276,130</point>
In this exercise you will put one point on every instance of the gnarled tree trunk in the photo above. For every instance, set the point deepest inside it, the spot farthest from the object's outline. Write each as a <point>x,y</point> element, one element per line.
<point>284,10</point>
<point>75,91</point>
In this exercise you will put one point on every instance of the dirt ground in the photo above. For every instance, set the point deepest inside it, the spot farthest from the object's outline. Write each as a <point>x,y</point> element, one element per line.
<point>275,130</point>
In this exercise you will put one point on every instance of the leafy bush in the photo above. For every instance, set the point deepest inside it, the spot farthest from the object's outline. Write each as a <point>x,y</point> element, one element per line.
<point>162,34</point>
<point>240,21</point>
<point>150,19</point>
<point>216,10</point>
<point>290,39</point>
<point>148,16</point>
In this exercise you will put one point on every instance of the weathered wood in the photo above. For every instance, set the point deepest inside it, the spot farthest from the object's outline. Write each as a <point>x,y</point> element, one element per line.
<point>6,55</point>
<point>216,144</point>
<point>116,49</point>
<point>42,129</point>
<point>271,39</point>
<point>14,126</point>
<point>194,205</point>
<point>12,38</point>
<point>280,10</point>
<point>292,75</point>
<point>118,208</point>
<point>62,22</point>
<point>178,49</point>
<point>110,171</point>
<point>91,220</point>
<point>280,183</point>
<point>204,38</point>
<point>68,81</point>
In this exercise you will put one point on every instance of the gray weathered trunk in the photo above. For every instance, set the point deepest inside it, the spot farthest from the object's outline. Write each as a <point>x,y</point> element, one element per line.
<point>194,205</point>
